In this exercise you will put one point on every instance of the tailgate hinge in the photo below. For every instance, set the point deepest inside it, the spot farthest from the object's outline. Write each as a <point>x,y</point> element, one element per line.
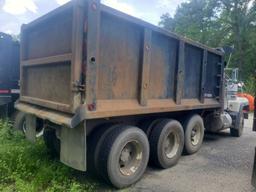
<point>78,87</point>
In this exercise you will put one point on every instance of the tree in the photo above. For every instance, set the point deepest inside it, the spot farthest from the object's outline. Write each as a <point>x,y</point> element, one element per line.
<point>217,23</point>
<point>238,16</point>
<point>195,19</point>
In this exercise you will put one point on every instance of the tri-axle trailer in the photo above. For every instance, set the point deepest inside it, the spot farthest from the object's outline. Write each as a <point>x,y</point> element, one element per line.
<point>115,92</point>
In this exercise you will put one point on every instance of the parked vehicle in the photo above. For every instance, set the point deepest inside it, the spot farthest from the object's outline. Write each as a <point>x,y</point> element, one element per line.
<point>9,74</point>
<point>115,92</point>
<point>233,102</point>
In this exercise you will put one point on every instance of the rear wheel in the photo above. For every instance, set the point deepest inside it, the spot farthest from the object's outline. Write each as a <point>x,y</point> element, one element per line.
<point>20,124</point>
<point>124,156</point>
<point>166,143</point>
<point>194,134</point>
<point>148,125</point>
<point>94,142</point>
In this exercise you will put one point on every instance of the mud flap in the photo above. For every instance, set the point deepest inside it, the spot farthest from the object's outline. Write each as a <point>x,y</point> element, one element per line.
<point>30,128</point>
<point>73,147</point>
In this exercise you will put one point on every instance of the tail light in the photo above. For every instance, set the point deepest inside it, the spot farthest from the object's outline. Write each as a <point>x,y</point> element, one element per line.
<point>4,91</point>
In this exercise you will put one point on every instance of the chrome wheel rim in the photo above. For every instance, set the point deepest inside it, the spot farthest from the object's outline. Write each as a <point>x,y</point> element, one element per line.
<point>195,135</point>
<point>171,145</point>
<point>130,158</point>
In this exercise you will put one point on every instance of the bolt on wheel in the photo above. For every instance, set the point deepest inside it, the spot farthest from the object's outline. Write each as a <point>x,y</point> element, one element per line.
<point>124,155</point>
<point>171,145</point>
<point>194,133</point>
<point>130,158</point>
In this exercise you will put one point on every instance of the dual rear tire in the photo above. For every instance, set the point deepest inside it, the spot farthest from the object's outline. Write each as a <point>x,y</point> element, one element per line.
<point>120,153</point>
<point>121,156</point>
<point>166,143</point>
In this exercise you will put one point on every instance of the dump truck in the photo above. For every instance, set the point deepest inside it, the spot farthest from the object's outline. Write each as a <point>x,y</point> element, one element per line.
<point>9,74</point>
<point>115,92</point>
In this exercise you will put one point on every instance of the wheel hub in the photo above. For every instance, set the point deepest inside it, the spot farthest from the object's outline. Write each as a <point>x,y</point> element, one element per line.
<point>195,135</point>
<point>125,156</point>
<point>130,158</point>
<point>171,145</point>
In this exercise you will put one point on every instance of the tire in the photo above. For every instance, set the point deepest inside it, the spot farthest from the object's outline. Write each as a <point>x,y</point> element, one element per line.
<point>19,121</point>
<point>124,156</point>
<point>239,125</point>
<point>52,142</point>
<point>148,125</point>
<point>20,124</point>
<point>194,134</point>
<point>168,132</point>
<point>94,142</point>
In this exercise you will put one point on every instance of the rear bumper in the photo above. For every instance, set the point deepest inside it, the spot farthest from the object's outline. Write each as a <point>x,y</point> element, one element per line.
<point>73,141</point>
<point>63,119</point>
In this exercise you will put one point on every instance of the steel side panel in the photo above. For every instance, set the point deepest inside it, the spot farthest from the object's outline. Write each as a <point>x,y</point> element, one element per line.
<point>116,64</point>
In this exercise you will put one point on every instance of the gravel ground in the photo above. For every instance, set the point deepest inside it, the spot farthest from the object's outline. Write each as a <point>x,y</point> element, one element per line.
<point>224,163</point>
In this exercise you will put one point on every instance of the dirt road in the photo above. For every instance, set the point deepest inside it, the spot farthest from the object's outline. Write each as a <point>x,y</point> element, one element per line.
<point>224,164</point>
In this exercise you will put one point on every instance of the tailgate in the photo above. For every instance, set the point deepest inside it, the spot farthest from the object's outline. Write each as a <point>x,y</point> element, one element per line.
<point>51,59</point>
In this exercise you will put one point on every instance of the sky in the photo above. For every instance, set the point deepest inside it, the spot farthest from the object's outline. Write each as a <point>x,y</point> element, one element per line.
<point>13,13</point>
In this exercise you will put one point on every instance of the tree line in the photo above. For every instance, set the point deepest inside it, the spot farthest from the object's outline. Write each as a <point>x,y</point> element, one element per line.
<point>218,23</point>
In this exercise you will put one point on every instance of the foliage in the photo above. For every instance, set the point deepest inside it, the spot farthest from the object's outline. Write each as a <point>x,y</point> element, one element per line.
<point>219,23</point>
<point>250,85</point>
<point>26,167</point>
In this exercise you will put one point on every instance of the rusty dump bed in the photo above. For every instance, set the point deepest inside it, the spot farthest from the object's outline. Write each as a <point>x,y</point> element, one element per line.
<point>87,57</point>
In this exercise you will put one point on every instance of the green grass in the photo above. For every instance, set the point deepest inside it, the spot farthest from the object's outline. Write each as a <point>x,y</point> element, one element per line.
<point>26,167</point>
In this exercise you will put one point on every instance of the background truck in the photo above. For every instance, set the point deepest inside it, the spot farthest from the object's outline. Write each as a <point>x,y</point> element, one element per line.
<point>115,92</point>
<point>9,74</point>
